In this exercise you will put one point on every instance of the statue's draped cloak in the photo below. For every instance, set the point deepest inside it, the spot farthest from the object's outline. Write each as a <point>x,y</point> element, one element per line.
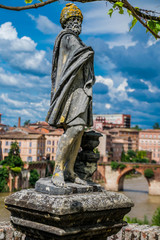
<point>72,80</point>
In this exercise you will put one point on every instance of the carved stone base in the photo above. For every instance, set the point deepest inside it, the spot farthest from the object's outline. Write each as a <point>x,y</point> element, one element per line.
<point>44,185</point>
<point>89,216</point>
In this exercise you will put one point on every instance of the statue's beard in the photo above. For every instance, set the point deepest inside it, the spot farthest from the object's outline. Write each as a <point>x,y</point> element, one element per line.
<point>76,29</point>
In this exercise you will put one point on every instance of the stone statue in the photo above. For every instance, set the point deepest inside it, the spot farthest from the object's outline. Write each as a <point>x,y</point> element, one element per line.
<point>71,93</point>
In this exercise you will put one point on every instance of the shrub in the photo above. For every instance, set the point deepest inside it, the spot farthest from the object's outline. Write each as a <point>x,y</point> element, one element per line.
<point>156,217</point>
<point>114,165</point>
<point>153,161</point>
<point>4,174</point>
<point>34,176</point>
<point>16,169</point>
<point>145,220</point>
<point>148,173</point>
<point>122,166</point>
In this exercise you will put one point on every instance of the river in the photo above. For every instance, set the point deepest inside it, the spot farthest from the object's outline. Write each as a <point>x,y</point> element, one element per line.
<point>135,188</point>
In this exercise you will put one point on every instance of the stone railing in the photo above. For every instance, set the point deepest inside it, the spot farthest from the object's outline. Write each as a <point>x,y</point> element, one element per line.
<point>131,232</point>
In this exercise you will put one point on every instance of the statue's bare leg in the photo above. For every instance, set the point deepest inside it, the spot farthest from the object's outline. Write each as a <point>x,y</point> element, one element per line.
<point>62,156</point>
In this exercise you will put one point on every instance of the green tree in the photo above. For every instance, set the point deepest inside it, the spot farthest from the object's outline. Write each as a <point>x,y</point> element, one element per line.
<point>156,126</point>
<point>123,157</point>
<point>148,173</point>
<point>156,217</point>
<point>148,18</point>
<point>13,159</point>
<point>27,122</point>
<point>34,176</point>
<point>4,174</point>
<point>136,127</point>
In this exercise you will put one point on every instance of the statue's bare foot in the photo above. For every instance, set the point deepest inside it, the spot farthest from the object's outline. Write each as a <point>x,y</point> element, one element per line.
<point>73,177</point>
<point>58,179</point>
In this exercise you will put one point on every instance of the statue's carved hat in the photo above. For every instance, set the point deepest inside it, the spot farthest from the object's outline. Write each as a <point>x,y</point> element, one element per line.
<point>70,10</point>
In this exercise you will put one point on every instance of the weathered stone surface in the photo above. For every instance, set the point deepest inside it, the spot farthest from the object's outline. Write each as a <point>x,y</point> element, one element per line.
<point>44,185</point>
<point>76,216</point>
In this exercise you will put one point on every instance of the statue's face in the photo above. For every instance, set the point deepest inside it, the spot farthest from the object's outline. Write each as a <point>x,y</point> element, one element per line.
<point>74,23</point>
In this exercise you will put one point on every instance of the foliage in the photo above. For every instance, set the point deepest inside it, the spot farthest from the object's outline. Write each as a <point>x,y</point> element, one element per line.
<point>34,176</point>
<point>134,156</point>
<point>145,221</point>
<point>148,173</point>
<point>16,169</point>
<point>27,122</point>
<point>136,127</point>
<point>122,166</point>
<point>4,174</point>
<point>154,161</point>
<point>116,165</point>
<point>95,150</point>
<point>156,217</point>
<point>13,159</point>
<point>156,126</point>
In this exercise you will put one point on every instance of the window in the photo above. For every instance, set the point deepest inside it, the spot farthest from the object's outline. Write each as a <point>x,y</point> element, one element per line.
<point>48,142</point>
<point>19,144</point>
<point>30,150</point>
<point>52,158</point>
<point>154,136</point>
<point>30,144</point>
<point>142,136</point>
<point>6,150</point>
<point>37,158</point>
<point>52,150</point>
<point>48,149</point>
<point>146,136</point>
<point>19,150</point>
<point>38,151</point>
<point>53,143</point>
<point>158,136</point>
<point>150,136</point>
<point>29,159</point>
<point>7,143</point>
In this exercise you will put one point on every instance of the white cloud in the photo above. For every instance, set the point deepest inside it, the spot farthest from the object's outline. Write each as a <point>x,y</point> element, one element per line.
<point>7,31</point>
<point>21,53</point>
<point>45,25</point>
<point>152,41</point>
<point>151,88</point>
<point>108,106</point>
<point>123,40</point>
<point>117,90</point>
<point>97,21</point>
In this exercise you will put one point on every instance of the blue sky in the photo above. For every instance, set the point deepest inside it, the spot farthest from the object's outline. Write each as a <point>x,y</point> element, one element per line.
<point>127,64</point>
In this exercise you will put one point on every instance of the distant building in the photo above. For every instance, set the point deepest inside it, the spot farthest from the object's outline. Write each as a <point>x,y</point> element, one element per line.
<point>32,146</point>
<point>108,121</point>
<point>149,140</point>
<point>117,140</point>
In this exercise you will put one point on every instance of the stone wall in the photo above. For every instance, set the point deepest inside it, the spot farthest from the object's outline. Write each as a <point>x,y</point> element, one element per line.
<point>131,232</point>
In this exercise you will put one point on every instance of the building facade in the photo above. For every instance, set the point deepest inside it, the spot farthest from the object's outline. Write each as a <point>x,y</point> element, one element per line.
<point>107,121</point>
<point>31,146</point>
<point>149,140</point>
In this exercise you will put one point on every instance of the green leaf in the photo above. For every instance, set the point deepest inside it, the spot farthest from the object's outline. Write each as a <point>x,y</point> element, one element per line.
<point>41,0</point>
<point>129,12</point>
<point>134,21</point>
<point>28,1</point>
<point>121,11</point>
<point>119,4</point>
<point>110,12</point>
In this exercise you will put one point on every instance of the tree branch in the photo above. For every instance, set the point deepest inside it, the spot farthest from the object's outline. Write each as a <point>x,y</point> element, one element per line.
<point>132,9</point>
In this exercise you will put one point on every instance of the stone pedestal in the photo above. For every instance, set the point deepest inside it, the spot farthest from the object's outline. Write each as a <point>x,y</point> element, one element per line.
<point>83,212</point>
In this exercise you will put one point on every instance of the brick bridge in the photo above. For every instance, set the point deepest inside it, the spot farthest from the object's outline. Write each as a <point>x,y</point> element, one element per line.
<point>114,178</point>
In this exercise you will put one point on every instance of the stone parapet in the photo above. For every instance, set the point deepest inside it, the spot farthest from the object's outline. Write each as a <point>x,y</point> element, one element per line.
<point>132,231</point>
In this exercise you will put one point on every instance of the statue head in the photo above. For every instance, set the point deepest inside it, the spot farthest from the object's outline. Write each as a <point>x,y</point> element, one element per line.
<point>71,18</point>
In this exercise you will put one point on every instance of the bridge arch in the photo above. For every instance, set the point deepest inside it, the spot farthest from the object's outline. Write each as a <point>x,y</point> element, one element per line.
<point>128,169</point>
